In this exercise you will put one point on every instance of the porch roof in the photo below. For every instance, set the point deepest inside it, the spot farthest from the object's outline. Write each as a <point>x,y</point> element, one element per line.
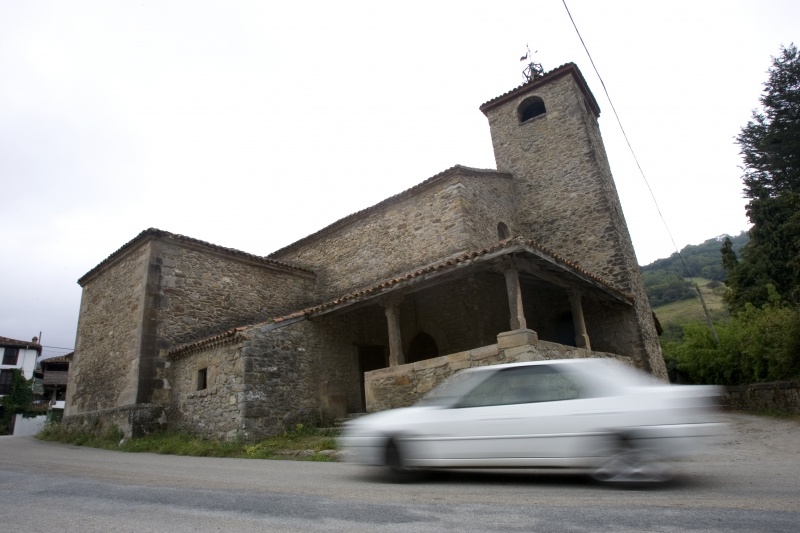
<point>527,255</point>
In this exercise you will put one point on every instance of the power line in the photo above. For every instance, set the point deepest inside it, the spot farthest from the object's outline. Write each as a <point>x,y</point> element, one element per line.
<point>641,171</point>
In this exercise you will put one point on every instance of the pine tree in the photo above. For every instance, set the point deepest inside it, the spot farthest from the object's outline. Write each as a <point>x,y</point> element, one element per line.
<point>770,149</point>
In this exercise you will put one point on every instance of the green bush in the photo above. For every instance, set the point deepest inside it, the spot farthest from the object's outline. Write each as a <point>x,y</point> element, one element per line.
<point>18,400</point>
<point>756,344</point>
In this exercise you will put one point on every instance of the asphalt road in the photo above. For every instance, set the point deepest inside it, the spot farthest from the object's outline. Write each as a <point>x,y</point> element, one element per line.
<point>750,483</point>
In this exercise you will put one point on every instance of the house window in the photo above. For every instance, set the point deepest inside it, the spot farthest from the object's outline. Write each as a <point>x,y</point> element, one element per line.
<point>531,108</point>
<point>6,380</point>
<point>10,356</point>
<point>202,378</point>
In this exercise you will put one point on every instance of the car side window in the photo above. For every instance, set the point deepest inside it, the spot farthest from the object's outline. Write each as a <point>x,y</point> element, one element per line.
<point>526,384</point>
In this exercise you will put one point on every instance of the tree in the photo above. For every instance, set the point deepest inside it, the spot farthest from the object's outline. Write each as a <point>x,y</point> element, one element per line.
<point>18,400</point>
<point>770,149</point>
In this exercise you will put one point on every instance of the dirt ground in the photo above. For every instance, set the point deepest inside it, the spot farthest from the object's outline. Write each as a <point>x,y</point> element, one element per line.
<point>750,437</point>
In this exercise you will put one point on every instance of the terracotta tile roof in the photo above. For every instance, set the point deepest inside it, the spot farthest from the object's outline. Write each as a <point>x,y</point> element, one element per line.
<point>445,174</point>
<point>5,341</point>
<point>153,233</point>
<point>57,359</point>
<point>507,246</point>
<point>563,70</point>
<point>191,347</point>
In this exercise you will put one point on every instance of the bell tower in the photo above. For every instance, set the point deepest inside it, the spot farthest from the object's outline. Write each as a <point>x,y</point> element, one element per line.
<point>545,133</point>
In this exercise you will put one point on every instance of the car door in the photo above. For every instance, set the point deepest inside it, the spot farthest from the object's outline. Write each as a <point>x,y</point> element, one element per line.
<point>520,415</point>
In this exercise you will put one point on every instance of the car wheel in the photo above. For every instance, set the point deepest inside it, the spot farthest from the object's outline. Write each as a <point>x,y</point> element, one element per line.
<point>631,464</point>
<point>395,464</point>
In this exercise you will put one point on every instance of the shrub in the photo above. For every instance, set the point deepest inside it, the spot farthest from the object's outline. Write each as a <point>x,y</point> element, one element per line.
<point>756,344</point>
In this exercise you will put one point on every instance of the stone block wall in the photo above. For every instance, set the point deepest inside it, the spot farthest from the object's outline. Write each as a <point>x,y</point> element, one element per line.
<point>105,368</point>
<point>456,211</point>
<point>488,202</point>
<point>215,411</point>
<point>133,421</point>
<point>567,201</point>
<point>782,396</point>
<point>159,291</point>
<point>201,293</point>
<point>613,328</point>
<point>404,385</point>
<point>466,312</point>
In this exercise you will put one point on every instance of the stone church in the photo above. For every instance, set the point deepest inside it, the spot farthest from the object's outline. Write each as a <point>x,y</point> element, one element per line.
<point>469,267</point>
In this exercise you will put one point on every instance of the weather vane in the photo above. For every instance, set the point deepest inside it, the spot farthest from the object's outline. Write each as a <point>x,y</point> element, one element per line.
<point>532,70</point>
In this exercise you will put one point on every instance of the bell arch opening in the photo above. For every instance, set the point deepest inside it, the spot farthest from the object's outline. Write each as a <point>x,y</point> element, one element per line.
<point>531,108</point>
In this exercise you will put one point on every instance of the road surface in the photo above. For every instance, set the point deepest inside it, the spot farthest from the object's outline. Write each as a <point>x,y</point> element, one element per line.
<point>751,482</point>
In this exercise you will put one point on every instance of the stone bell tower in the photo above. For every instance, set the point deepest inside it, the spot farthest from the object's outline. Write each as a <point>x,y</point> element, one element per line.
<point>545,133</point>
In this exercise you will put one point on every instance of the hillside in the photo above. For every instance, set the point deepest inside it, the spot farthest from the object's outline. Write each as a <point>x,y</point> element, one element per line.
<point>672,295</point>
<point>674,314</point>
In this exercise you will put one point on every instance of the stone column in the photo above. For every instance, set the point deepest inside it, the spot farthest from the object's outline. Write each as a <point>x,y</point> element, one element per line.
<point>581,337</point>
<point>514,299</point>
<point>396,356</point>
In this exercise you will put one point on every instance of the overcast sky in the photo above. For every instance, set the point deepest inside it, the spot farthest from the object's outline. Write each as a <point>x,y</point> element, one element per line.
<point>253,124</point>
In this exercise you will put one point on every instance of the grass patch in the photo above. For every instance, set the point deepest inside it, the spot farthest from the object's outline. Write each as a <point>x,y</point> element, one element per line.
<point>674,315</point>
<point>303,443</point>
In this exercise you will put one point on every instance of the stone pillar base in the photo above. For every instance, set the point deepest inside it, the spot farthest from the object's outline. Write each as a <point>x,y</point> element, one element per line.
<point>520,337</point>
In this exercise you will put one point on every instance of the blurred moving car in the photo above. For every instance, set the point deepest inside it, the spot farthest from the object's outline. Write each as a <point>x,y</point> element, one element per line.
<point>595,415</point>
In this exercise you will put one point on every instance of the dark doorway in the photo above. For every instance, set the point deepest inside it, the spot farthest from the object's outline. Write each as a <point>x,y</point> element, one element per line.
<point>370,358</point>
<point>565,330</point>
<point>422,347</point>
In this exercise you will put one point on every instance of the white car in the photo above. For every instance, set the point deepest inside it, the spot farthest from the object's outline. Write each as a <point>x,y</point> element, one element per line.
<point>594,415</point>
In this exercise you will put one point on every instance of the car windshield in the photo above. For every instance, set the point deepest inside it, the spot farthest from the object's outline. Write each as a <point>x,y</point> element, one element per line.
<point>453,388</point>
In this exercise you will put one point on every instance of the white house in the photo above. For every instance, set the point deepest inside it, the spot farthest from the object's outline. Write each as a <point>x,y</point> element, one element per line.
<point>18,355</point>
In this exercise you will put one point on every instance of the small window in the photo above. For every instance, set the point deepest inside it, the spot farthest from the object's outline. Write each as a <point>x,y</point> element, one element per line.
<point>531,108</point>
<point>10,356</point>
<point>503,232</point>
<point>202,379</point>
<point>6,380</point>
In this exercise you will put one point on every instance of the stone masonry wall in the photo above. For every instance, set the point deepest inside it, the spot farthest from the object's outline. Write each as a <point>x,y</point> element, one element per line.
<point>455,213</point>
<point>781,396</point>
<point>568,200</point>
<point>613,328</point>
<point>214,412</point>
<point>194,293</point>
<point>131,421</point>
<point>280,378</point>
<point>203,293</point>
<point>404,385</point>
<point>488,202</point>
<point>459,314</point>
<point>105,368</point>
